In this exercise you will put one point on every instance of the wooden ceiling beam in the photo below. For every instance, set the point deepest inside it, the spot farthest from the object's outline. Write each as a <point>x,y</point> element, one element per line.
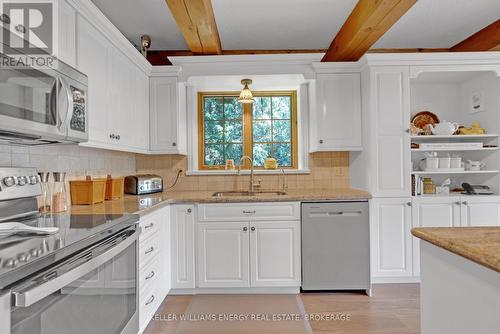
<point>368,21</point>
<point>486,39</point>
<point>196,20</point>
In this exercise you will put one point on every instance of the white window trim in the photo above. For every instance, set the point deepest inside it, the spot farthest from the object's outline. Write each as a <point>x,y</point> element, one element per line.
<point>303,106</point>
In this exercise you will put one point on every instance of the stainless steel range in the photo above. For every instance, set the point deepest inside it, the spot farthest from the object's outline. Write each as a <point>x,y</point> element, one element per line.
<point>63,273</point>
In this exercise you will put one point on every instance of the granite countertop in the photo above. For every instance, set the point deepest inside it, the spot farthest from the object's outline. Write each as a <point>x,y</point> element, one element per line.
<point>144,204</point>
<point>478,244</point>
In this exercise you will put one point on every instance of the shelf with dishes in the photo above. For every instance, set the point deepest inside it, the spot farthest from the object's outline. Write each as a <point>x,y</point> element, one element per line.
<point>454,137</point>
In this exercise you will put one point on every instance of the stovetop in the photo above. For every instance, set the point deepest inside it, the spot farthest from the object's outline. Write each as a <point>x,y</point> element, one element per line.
<point>21,256</point>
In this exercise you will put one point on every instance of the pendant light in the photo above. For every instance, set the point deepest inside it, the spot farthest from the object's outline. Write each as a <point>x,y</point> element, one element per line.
<point>246,94</point>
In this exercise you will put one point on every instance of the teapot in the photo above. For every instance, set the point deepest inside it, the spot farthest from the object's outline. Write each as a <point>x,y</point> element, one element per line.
<point>444,128</point>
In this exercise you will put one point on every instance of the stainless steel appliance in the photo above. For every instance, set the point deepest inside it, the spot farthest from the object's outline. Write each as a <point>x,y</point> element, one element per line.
<point>335,246</point>
<point>143,184</point>
<point>41,105</point>
<point>80,280</point>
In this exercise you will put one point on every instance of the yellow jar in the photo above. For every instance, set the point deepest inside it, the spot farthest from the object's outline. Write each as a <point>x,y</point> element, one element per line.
<point>429,186</point>
<point>271,163</point>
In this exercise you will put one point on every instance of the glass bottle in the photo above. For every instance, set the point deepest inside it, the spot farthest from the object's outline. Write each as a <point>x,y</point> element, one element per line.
<point>45,198</point>
<point>59,193</point>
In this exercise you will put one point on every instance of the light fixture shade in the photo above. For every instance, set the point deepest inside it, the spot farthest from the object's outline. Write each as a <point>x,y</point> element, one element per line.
<point>246,95</point>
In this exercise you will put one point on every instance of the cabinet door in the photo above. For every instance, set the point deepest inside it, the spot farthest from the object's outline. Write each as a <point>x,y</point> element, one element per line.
<point>432,212</point>
<point>337,116</point>
<point>164,120</point>
<point>390,239</point>
<point>275,254</point>
<point>223,252</point>
<point>93,59</point>
<point>67,33</point>
<point>182,231</point>
<point>480,210</point>
<point>390,105</point>
<point>141,110</point>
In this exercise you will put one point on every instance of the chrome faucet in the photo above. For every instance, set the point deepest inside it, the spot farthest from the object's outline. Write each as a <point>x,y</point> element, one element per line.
<point>252,184</point>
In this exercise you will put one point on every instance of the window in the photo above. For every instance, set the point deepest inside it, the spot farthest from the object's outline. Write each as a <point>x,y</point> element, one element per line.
<point>228,129</point>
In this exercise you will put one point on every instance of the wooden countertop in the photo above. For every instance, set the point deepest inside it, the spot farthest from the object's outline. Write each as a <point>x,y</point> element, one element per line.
<point>478,244</point>
<point>144,204</point>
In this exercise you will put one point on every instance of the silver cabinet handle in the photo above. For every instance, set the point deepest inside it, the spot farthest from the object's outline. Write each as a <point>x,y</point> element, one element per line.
<point>458,203</point>
<point>465,203</point>
<point>174,144</point>
<point>151,275</point>
<point>149,250</point>
<point>252,228</point>
<point>249,212</point>
<point>150,300</point>
<point>118,137</point>
<point>149,226</point>
<point>245,229</point>
<point>112,136</point>
<point>408,203</point>
<point>321,141</point>
<point>189,210</point>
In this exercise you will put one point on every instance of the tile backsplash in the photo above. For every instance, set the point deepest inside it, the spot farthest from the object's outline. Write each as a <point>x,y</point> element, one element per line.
<point>75,160</point>
<point>329,170</point>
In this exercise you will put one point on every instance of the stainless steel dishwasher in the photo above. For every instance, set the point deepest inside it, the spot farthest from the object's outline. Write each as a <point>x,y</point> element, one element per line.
<point>335,246</point>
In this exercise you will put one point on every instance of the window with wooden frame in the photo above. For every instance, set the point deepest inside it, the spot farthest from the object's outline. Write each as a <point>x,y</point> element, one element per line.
<point>228,129</point>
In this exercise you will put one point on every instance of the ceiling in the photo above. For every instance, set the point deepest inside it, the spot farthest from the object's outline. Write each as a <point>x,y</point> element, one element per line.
<point>301,24</point>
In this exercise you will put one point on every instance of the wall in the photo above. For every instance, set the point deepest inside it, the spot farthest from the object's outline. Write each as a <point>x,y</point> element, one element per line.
<point>329,170</point>
<point>73,159</point>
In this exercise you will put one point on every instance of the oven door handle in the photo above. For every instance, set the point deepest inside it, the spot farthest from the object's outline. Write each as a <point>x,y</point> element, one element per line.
<point>53,281</point>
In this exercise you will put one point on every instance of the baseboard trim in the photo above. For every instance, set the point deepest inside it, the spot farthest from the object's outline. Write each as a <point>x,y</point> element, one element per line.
<point>207,291</point>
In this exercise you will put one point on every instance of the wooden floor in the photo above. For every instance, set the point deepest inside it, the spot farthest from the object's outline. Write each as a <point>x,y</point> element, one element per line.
<point>392,309</point>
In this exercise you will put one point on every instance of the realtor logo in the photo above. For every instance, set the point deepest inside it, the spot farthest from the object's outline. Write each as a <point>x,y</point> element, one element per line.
<point>28,27</point>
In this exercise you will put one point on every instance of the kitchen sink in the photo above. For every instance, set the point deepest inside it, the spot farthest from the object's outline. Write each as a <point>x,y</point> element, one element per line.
<point>233,193</point>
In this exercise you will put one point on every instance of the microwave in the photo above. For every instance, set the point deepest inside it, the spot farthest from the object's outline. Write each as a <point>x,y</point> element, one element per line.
<point>42,105</point>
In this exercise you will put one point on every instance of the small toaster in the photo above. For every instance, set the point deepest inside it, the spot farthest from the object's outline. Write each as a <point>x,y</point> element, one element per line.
<point>143,184</point>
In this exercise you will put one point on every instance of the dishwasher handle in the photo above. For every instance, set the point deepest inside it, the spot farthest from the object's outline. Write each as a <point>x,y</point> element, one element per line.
<point>335,213</point>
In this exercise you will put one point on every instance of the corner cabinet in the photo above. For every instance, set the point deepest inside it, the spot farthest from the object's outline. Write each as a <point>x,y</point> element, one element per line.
<point>167,113</point>
<point>336,116</point>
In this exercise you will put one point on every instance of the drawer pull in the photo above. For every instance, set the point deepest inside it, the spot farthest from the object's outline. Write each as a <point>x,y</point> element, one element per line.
<point>252,228</point>
<point>149,250</point>
<point>249,212</point>
<point>245,229</point>
<point>151,275</point>
<point>150,300</point>
<point>149,226</point>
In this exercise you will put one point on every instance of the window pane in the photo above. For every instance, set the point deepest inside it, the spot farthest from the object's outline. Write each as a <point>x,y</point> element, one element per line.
<point>262,131</point>
<point>213,132</point>
<point>213,108</point>
<point>282,131</point>
<point>234,151</point>
<point>281,107</point>
<point>233,131</point>
<point>214,154</point>
<point>232,108</point>
<point>260,153</point>
<point>283,153</point>
<point>262,108</point>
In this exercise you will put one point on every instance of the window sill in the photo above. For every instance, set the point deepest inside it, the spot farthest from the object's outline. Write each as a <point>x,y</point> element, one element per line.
<point>247,172</point>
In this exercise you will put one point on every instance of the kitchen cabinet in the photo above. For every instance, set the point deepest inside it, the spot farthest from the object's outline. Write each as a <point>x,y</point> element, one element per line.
<point>182,246</point>
<point>390,115</point>
<point>480,210</point>
<point>167,115</point>
<point>433,212</point>
<point>275,254</point>
<point>336,119</point>
<point>223,255</point>
<point>66,48</point>
<point>390,238</point>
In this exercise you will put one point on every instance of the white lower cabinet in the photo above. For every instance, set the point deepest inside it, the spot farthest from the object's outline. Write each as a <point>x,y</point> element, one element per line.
<point>275,254</point>
<point>154,274</point>
<point>182,246</point>
<point>245,245</point>
<point>391,243</point>
<point>480,210</point>
<point>223,255</point>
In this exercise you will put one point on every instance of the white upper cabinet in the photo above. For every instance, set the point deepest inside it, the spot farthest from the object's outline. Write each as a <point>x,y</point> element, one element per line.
<point>67,33</point>
<point>336,117</point>
<point>390,109</point>
<point>167,115</point>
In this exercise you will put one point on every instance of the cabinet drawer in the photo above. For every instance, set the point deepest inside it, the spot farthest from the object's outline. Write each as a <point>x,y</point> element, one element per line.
<point>148,250</point>
<point>148,302</point>
<point>149,274</point>
<point>149,226</point>
<point>249,211</point>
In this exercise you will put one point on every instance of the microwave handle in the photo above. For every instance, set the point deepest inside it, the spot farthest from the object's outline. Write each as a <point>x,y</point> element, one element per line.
<point>68,96</point>
<point>26,298</point>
